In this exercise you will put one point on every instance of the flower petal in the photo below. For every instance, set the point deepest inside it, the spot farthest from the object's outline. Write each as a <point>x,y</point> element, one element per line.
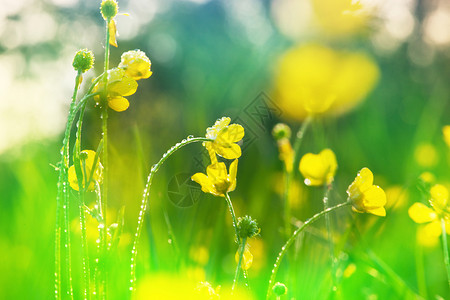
<point>231,152</point>
<point>374,197</point>
<point>234,133</point>
<point>205,182</point>
<point>420,213</point>
<point>217,172</point>
<point>118,103</point>
<point>125,87</point>
<point>73,181</point>
<point>379,211</point>
<point>232,176</point>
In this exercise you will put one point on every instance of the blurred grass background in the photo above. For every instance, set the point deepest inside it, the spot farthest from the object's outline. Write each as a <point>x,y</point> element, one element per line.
<point>212,59</point>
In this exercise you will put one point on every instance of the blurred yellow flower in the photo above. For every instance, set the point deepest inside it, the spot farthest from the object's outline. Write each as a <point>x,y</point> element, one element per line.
<point>446,133</point>
<point>420,213</point>
<point>225,138</point>
<point>318,169</point>
<point>426,155</point>
<point>217,181</point>
<point>247,258</point>
<point>286,153</point>
<point>365,196</point>
<point>427,177</point>
<point>86,167</point>
<point>136,64</point>
<point>396,197</point>
<point>340,18</point>
<point>119,85</point>
<point>314,79</point>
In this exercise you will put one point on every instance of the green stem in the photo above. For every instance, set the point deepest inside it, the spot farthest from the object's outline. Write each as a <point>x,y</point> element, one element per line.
<point>233,216</point>
<point>289,176</point>
<point>241,250</point>
<point>292,239</point>
<point>144,202</point>
<point>445,249</point>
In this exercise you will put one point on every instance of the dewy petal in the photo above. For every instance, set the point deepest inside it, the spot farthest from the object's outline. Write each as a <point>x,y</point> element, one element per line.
<point>364,179</point>
<point>73,180</point>
<point>420,213</point>
<point>232,176</point>
<point>217,172</point>
<point>125,87</point>
<point>205,182</point>
<point>374,197</point>
<point>118,103</point>
<point>231,152</point>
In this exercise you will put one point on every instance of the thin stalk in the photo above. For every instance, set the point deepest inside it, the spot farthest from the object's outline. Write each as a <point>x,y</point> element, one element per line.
<point>445,250</point>
<point>145,197</point>
<point>292,239</point>
<point>233,216</point>
<point>241,250</point>
<point>289,176</point>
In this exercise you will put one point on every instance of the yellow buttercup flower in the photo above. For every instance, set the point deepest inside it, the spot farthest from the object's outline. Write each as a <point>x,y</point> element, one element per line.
<point>247,258</point>
<point>318,169</point>
<point>136,64</point>
<point>446,132</point>
<point>119,85</point>
<point>420,213</point>
<point>365,196</point>
<point>314,79</point>
<point>217,181</point>
<point>225,138</point>
<point>86,168</point>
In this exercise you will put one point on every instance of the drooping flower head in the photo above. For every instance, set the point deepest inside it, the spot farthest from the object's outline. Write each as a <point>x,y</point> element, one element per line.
<point>318,169</point>
<point>119,85</point>
<point>365,196</point>
<point>225,138</point>
<point>87,158</point>
<point>136,64</point>
<point>420,213</point>
<point>217,181</point>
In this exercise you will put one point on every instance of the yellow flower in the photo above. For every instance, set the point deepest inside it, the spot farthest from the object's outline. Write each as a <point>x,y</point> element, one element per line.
<point>341,18</point>
<point>217,181</point>
<point>365,196</point>
<point>426,155</point>
<point>224,138</point>
<point>136,64</point>
<point>119,85</point>
<point>87,165</point>
<point>446,132</point>
<point>318,169</point>
<point>247,258</point>
<point>286,153</point>
<point>420,213</point>
<point>314,79</point>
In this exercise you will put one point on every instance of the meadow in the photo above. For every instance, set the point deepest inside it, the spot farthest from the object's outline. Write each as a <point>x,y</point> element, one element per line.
<point>213,149</point>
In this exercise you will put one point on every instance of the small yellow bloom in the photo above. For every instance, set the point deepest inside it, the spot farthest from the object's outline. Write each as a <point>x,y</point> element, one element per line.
<point>446,132</point>
<point>365,196</point>
<point>318,169</point>
<point>420,213</point>
<point>119,85</point>
<point>426,155</point>
<point>427,177</point>
<point>225,138</point>
<point>247,258</point>
<point>136,64</point>
<point>314,79</point>
<point>87,166</point>
<point>217,181</point>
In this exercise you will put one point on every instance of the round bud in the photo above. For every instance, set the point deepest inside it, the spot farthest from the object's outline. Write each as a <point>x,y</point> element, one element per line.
<point>279,289</point>
<point>281,131</point>
<point>247,227</point>
<point>83,60</point>
<point>109,9</point>
<point>83,155</point>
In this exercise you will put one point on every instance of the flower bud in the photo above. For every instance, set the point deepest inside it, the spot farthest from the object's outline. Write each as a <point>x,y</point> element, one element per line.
<point>279,289</point>
<point>281,131</point>
<point>247,227</point>
<point>83,60</point>
<point>109,9</point>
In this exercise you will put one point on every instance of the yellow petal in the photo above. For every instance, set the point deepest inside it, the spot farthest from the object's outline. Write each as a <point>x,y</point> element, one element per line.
<point>428,235</point>
<point>126,86</point>
<point>439,195</point>
<point>205,182</point>
<point>73,180</point>
<point>118,103</point>
<point>247,258</point>
<point>446,132</point>
<point>319,168</point>
<point>232,176</point>
<point>217,172</point>
<point>365,179</point>
<point>233,133</point>
<point>420,213</point>
<point>112,33</point>
<point>231,152</point>
<point>379,211</point>
<point>374,197</point>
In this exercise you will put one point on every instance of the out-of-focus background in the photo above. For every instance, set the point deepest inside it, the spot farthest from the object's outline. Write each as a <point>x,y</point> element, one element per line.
<point>214,58</point>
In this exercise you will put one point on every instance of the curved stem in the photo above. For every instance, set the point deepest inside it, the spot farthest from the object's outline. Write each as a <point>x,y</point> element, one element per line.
<point>233,216</point>
<point>241,250</point>
<point>445,250</point>
<point>145,198</point>
<point>292,239</point>
<point>289,176</point>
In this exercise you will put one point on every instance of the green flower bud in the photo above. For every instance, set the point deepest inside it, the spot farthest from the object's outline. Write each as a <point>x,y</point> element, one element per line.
<point>83,60</point>
<point>247,227</point>
<point>279,289</point>
<point>281,131</point>
<point>109,9</point>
